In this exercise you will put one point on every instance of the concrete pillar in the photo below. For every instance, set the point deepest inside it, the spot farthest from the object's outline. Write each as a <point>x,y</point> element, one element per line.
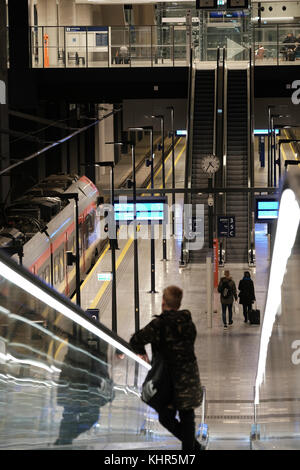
<point>104,133</point>
<point>144,15</point>
<point>4,141</point>
<point>67,13</point>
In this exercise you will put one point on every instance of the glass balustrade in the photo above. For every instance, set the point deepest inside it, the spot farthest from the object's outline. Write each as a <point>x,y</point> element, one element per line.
<point>277,44</point>
<point>94,46</point>
<point>62,375</point>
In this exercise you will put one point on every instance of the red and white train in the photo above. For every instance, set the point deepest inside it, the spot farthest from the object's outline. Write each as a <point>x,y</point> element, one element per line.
<point>46,225</point>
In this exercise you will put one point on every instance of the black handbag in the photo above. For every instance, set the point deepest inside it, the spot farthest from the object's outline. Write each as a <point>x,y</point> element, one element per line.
<point>157,389</point>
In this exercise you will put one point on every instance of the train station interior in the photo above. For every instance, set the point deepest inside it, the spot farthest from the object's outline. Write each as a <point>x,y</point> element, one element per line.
<point>146,145</point>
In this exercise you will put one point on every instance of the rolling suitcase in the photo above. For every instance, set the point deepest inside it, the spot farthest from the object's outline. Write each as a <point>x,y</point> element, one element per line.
<point>254,316</point>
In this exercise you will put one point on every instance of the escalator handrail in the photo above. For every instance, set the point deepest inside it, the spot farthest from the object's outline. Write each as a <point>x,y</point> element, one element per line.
<point>188,158</point>
<point>9,265</point>
<point>251,227</point>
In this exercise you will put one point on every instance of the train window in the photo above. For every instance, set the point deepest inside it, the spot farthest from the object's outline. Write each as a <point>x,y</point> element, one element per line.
<point>47,274</point>
<point>62,265</point>
<point>90,221</point>
<point>56,269</point>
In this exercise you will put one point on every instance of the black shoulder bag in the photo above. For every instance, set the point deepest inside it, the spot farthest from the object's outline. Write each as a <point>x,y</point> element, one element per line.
<point>157,389</point>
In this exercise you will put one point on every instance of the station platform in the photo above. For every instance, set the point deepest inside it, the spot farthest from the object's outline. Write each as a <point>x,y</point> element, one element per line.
<point>227,359</point>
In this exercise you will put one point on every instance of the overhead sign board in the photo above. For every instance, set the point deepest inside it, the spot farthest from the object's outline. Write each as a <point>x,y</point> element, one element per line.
<point>226,226</point>
<point>266,209</point>
<point>149,210</point>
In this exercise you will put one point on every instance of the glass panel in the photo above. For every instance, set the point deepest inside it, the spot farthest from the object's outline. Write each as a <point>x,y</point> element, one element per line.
<point>289,44</point>
<point>181,45</point>
<point>61,377</point>
<point>120,41</point>
<point>98,46</point>
<point>76,46</point>
<point>37,58</point>
<point>266,45</point>
<point>140,47</point>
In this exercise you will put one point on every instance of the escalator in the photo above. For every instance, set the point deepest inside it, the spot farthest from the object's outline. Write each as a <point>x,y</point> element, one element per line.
<point>237,166</point>
<point>66,381</point>
<point>202,144</point>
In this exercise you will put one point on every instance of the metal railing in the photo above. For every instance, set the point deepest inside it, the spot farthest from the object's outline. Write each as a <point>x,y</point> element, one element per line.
<point>158,45</point>
<point>276,44</point>
<point>109,46</point>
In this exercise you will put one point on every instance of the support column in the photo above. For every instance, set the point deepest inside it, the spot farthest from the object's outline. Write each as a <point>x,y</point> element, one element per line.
<point>104,133</point>
<point>67,13</point>
<point>4,141</point>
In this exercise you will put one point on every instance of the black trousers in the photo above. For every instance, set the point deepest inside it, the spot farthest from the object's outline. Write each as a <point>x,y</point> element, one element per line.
<point>184,429</point>
<point>246,310</point>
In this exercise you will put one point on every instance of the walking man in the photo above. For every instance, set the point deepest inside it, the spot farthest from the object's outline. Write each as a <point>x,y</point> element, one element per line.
<point>176,330</point>
<point>227,289</point>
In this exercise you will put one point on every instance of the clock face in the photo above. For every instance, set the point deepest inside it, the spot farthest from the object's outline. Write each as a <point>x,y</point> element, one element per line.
<point>210,164</point>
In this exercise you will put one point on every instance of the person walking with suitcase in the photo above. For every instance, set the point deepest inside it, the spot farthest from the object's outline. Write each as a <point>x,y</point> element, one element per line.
<point>246,295</point>
<point>227,289</point>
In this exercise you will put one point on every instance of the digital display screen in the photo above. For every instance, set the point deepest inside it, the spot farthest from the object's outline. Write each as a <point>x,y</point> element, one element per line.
<point>181,132</point>
<point>264,131</point>
<point>267,210</point>
<point>146,212</point>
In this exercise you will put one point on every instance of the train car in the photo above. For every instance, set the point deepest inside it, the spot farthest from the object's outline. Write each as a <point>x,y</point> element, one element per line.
<point>47,224</point>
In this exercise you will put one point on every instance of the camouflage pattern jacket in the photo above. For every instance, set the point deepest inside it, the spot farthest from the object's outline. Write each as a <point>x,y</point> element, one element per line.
<point>173,334</point>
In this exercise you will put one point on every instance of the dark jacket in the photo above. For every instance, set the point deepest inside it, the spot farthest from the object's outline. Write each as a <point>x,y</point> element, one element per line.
<point>232,287</point>
<point>246,288</point>
<point>177,348</point>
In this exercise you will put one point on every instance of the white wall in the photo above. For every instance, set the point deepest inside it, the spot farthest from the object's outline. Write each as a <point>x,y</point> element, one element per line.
<point>134,112</point>
<point>292,9</point>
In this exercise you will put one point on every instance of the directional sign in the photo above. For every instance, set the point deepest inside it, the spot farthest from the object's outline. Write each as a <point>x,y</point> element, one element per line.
<point>233,48</point>
<point>149,210</point>
<point>226,226</point>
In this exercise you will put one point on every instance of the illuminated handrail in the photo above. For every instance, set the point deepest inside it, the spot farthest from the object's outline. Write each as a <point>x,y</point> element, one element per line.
<point>52,353</point>
<point>282,299</point>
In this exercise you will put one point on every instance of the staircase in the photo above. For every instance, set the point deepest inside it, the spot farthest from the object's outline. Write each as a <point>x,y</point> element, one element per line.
<point>203,137</point>
<point>237,163</point>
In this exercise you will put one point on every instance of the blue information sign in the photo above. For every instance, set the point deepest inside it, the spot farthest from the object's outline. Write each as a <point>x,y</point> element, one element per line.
<point>148,210</point>
<point>226,226</point>
<point>267,209</point>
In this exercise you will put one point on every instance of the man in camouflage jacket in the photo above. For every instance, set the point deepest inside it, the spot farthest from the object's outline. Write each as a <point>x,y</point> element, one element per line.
<point>178,350</point>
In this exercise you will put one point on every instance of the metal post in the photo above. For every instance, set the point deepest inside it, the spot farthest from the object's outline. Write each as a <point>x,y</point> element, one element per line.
<point>113,256</point>
<point>210,218</point>
<point>269,140</point>
<point>173,170</point>
<point>279,161</point>
<point>209,288</point>
<point>271,154</point>
<point>135,258</point>
<point>77,262</point>
<point>162,122</point>
<point>152,291</point>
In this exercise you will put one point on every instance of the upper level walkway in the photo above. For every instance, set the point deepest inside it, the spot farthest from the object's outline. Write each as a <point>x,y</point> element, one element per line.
<point>161,46</point>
